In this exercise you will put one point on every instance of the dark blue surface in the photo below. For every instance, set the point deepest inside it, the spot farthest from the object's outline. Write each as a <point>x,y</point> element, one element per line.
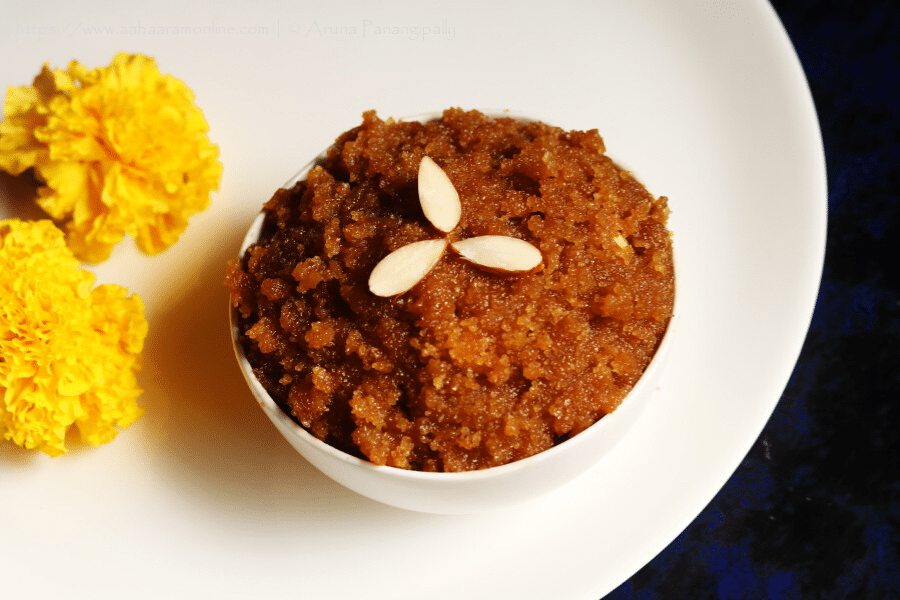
<point>814,509</point>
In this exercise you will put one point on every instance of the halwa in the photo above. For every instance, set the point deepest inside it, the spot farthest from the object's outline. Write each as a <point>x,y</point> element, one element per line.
<point>469,368</point>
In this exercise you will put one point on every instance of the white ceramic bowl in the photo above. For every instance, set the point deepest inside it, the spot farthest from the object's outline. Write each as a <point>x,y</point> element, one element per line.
<point>471,491</point>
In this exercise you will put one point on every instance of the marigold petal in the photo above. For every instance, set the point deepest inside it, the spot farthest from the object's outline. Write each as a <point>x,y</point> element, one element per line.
<point>69,352</point>
<point>19,149</point>
<point>121,149</point>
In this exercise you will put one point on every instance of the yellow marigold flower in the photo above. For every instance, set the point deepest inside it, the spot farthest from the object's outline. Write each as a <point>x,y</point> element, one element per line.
<point>121,149</point>
<point>69,352</point>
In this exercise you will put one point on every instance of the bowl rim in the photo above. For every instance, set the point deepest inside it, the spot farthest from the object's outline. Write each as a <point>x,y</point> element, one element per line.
<point>273,409</point>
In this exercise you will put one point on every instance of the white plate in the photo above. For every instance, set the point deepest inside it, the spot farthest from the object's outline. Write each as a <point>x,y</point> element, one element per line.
<point>202,498</point>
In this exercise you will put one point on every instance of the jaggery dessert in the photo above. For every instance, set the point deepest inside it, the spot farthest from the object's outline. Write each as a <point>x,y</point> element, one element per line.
<point>471,367</point>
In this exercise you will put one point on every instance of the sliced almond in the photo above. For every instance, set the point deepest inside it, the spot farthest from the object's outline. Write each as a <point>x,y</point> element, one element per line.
<point>499,253</point>
<point>439,199</point>
<point>403,268</point>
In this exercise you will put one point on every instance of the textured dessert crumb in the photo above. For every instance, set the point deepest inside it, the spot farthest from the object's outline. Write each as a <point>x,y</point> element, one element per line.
<point>468,369</point>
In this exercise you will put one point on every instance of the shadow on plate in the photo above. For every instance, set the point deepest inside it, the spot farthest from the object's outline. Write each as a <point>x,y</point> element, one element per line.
<point>18,194</point>
<point>214,441</point>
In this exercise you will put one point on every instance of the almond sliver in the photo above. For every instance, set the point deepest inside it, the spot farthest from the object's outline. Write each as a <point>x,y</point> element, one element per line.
<point>406,266</point>
<point>500,253</point>
<point>439,199</point>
